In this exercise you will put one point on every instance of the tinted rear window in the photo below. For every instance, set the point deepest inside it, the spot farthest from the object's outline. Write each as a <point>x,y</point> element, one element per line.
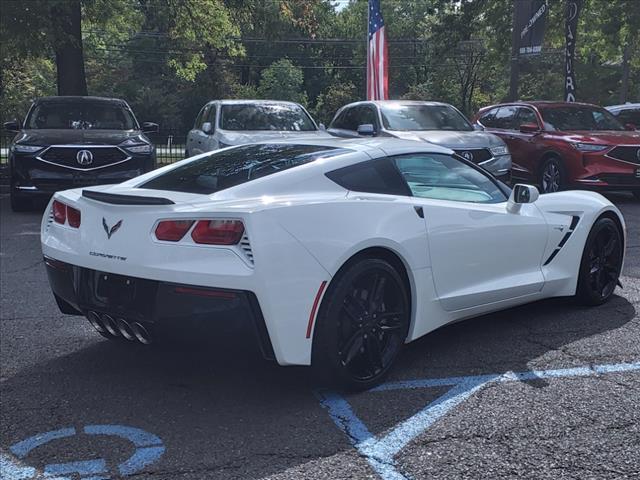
<point>228,168</point>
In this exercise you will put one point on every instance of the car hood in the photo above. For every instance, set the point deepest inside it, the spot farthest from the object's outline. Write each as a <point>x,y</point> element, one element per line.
<point>453,140</point>
<point>75,137</point>
<point>252,136</point>
<point>606,138</point>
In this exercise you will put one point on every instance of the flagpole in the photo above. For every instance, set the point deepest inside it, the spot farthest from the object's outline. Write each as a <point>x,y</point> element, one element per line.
<point>366,72</point>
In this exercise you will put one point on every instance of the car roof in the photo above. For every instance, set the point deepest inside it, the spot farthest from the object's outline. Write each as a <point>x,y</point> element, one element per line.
<point>85,98</point>
<point>624,106</point>
<point>387,144</point>
<point>381,103</point>
<point>253,102</point>
<point>541,103</point>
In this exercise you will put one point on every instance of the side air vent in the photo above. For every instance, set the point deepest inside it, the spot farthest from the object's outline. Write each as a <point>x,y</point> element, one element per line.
<point>49,220</point>
<point>245,246</point>
<point>574,223</point>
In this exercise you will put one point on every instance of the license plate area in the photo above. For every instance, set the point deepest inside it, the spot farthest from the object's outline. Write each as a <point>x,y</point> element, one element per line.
<point>115,289</point>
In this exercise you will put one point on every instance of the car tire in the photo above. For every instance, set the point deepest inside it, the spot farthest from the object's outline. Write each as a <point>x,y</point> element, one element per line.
<point>553,177</point>
<point>601,263</point>
<point>362,324</point>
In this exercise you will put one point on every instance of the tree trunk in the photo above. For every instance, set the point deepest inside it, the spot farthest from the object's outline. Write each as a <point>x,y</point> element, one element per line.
<point>624,88</point>
<point>69,55</point>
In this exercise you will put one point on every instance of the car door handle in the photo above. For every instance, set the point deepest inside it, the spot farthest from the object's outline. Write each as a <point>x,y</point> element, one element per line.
<point>419,211</point>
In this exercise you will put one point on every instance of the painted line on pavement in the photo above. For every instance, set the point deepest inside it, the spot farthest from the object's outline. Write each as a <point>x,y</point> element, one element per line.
<point>380,451</point>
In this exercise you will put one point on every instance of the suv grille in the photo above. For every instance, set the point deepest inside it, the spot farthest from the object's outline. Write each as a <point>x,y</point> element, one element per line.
<point>71,157</point>
<point>475,155</point>
<point>627,153</point>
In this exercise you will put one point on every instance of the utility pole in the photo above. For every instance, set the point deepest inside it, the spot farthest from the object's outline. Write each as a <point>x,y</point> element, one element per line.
<point>515,63</point>
<point>624,87</point>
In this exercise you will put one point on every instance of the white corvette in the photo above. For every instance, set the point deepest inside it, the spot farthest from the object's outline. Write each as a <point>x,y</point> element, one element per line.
<point>335,252</point>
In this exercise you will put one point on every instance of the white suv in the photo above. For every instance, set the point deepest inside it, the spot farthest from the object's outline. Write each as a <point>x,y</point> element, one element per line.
<point>222,123</point>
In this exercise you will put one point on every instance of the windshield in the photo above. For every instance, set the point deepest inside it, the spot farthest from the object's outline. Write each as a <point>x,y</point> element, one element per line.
<point>571,118</point>
<point>423,117</point>
<point>81,115</point>
<point>228,168</point>
<point>290,118</point>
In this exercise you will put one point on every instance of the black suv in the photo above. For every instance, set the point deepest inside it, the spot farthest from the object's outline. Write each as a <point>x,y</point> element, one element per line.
<point>68,142</point>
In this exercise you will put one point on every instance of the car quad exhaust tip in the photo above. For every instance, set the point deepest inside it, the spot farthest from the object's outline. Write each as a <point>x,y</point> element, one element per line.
<point>141,333</point>
<point>106,325</point>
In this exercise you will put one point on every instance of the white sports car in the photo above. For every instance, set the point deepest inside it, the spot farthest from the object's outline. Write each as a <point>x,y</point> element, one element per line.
<point>335,252</point>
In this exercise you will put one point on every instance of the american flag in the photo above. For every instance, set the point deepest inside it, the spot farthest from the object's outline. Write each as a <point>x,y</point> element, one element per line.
<point>377,77</point>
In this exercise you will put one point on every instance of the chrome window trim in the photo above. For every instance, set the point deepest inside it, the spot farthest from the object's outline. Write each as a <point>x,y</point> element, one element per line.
<point>85,147</point>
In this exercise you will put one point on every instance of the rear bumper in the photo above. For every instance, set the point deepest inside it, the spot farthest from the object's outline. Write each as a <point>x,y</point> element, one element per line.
<point>163,307</point>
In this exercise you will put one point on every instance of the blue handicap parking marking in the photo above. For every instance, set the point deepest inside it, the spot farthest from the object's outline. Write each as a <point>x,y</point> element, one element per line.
<point>380,451</point>
<point>149,448</point>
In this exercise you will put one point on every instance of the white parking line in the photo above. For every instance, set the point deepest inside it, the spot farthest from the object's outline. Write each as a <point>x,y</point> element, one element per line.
<point>380,452</point>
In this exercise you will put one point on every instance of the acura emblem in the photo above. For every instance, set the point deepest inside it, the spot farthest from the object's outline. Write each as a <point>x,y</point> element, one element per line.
<point>112,230</point>
<point>84,157</point>
<point>467,156</point>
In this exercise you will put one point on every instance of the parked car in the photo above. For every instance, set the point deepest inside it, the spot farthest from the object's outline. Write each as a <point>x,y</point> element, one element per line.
<point>335,253</point>
<point>559,145</point>
<point>627,114</point>
<point>223,123</point>
<point>433,122</point>
<point>66,142</point>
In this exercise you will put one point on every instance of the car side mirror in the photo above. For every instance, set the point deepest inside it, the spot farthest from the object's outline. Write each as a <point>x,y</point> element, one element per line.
<point>150,127</point>
<point>322,127</point>
<point>366,130</point>
<point>628,126</point>
<point>529,128</point>
<point>520,195</point>
<point>207,127</point>
<point>478,127</point>
<point>13,126</point>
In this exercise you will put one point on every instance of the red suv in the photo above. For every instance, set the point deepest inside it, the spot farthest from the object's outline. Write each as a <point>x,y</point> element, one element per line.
<point>559,145</point>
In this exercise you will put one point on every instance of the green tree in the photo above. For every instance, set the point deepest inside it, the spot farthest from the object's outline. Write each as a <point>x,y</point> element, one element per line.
<point>282,80</point>
<point>334,97</point>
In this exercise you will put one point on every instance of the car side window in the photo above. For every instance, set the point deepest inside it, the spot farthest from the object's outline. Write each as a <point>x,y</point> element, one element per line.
<point>526,115</point>
<point>198,121</point>
<point>443,177</point>
<point>506,118</point>
<point>211,118</point>
<point>348,119</point>
<point>205,114</point>
<point>630,116</point>
<point>488,119</point>
<point>372,176</point>
<point>366,115</point>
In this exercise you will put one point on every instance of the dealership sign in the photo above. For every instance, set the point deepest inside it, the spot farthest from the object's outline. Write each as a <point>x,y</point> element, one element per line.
<point>571,28</point>
<point>530,23</point>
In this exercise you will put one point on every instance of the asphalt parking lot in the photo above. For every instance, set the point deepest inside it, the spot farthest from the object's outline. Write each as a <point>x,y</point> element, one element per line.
<point>549,390</point>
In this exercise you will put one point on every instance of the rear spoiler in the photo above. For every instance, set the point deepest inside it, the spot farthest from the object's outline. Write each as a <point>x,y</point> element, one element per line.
<point>125,199</point>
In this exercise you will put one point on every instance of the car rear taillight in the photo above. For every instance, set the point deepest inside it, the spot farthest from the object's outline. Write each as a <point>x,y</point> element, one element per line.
<point>218,232</point>
<point>73,217</point>
<point>63,213</point>
<point>59,212</point>
<point>173,230</point>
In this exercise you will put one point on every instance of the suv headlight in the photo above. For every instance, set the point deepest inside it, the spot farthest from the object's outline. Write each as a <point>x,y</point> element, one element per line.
<point>26,148</point>
<point>137,145</point>
<point>589,147</point>
<point>499,150</point>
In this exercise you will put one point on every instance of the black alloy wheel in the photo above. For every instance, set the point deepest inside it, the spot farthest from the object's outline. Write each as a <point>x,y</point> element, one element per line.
<point>362,324</point>
<point>552,176</point>
<point>601,263</point>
